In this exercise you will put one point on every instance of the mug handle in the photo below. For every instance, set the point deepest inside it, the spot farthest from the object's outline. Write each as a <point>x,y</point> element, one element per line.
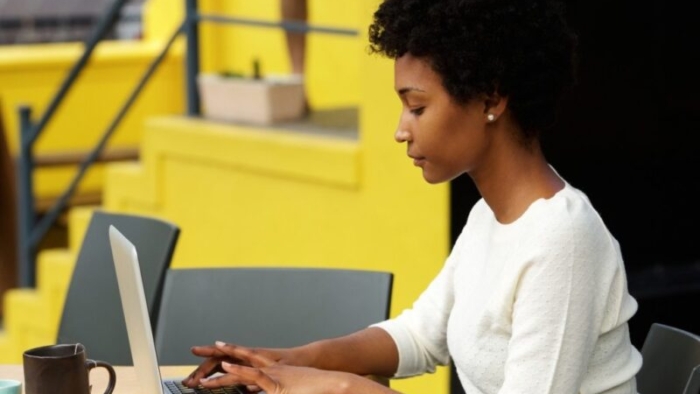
<point>90,364</point>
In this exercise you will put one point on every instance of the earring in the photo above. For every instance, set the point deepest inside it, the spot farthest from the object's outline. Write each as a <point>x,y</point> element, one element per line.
<point>491,117</point>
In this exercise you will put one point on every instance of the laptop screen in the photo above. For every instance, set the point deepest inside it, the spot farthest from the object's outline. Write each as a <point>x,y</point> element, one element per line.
<point>133,299</point>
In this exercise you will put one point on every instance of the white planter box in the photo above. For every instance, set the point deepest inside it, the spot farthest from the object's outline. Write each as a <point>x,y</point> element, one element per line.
<point>260,101</point>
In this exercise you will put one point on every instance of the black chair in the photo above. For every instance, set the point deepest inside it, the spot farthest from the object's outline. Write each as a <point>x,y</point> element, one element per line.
<point>92,314</point>
<point>671,358</point>
<point>693,386</point>
<point>267,307</point>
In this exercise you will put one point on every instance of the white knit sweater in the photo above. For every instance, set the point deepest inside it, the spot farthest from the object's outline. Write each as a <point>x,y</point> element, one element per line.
<point>537,306</point>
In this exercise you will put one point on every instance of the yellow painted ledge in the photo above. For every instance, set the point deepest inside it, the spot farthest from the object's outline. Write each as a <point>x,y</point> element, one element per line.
<point>109,53</point>
<point>288,154</point>
<point>128,189</point>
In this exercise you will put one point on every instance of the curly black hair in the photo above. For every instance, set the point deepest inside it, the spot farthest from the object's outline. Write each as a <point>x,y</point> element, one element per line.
<point>520,49</point>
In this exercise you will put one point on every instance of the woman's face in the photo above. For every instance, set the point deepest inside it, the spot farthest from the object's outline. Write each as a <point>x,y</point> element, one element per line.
<point>444,138</point>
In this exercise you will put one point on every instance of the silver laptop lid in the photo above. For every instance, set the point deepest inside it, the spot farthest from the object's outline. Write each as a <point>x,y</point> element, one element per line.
<point>138,324</point>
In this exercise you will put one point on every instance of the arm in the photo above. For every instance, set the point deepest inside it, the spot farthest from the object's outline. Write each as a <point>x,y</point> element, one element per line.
<point>292,380</point>
<point>411,344</point>
<point>275,378</point>
<point>295,10</point>
<point>372,351</point>
<point>558,310</point>
<point>367,352</point>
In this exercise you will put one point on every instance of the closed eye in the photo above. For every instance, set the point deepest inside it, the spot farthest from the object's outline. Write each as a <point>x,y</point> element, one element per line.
<point>418,111</point>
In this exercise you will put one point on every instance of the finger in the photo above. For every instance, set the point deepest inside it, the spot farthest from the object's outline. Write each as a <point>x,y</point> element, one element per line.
<point>213,352</point>
<point>225,380</point>
<point>252,377</point>
<point>207,351</point>
<point>208,367</point>
<point>247,355</point>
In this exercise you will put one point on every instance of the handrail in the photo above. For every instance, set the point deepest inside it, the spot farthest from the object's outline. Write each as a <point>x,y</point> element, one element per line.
<point>29,132</point>
<point>101,31</point>
<point>31,232</point>
<point>65,158</point>
<point>293,26</point>
<point>47,221</point>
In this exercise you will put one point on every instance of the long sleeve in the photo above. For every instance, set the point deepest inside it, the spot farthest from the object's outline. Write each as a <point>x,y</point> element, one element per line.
<point>420,332</point>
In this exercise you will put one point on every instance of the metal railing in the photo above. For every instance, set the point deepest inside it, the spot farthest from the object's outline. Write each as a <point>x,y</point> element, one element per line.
<point>30,231</point>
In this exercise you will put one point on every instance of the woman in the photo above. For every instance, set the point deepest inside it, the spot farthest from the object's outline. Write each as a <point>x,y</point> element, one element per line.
<point>533,297</point>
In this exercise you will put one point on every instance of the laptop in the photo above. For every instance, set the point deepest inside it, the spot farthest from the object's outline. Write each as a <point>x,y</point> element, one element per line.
<point>138,325</point>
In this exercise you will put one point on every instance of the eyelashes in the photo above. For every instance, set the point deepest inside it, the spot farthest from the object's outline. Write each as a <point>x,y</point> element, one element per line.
<point>418,111</point>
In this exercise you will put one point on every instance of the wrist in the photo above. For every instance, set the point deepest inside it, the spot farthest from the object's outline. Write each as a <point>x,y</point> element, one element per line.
<point>306,355</point>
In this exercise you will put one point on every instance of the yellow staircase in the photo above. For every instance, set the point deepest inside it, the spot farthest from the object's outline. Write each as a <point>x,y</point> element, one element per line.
<point>31,75</point>
<point>32,315</point>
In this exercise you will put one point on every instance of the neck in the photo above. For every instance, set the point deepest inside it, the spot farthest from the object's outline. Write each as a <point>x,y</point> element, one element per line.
<point>513,177</point>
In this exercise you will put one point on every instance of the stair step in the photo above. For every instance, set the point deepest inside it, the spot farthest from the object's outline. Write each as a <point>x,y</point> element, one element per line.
<point>8,352</point>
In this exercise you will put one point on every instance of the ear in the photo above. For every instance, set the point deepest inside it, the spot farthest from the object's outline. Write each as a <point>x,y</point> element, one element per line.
<point>495,106</point>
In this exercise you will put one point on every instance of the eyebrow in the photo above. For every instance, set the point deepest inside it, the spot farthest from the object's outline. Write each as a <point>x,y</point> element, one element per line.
<point>405,90</point>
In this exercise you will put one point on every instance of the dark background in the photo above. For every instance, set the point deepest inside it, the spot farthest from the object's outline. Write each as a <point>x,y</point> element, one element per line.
<point>625,137</point>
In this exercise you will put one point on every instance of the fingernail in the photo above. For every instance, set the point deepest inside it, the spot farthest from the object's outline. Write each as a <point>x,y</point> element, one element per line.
<point>220,344</point>
<point>226,365</point>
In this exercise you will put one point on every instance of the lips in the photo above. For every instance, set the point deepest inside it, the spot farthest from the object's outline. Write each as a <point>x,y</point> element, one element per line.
<point>417,160</point>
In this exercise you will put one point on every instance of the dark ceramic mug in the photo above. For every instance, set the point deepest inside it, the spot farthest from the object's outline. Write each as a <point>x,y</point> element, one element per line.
<point>61,369</point>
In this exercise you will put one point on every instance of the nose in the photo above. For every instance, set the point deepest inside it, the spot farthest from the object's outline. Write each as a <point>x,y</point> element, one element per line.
<point>402,133</point>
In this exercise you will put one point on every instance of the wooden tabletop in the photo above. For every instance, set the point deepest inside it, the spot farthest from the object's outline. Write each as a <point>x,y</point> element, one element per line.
<point>126,377</point>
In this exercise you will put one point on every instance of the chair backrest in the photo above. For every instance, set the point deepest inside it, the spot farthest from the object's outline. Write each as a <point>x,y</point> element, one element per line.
<point>669,357</point>
<point>92,314</point>
<point>268,307</point>
<point>693,386</point>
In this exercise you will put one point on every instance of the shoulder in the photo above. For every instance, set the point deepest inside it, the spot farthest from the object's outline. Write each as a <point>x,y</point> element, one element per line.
<point>568,224</point>
<point>571,211</point>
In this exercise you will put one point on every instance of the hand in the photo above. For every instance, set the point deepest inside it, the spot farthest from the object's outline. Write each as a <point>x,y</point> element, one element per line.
<point>257,371</point>
<point>284,379</point>
<point>215,356</point>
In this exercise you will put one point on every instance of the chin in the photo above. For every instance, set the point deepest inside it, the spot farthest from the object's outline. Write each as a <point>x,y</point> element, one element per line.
<point>436,178</point>
<point>433,179</point>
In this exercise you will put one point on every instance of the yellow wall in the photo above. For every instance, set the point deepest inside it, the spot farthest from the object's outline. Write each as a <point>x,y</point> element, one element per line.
<point>246,197</point>
<point>243,196</point>
<point>32,74</point>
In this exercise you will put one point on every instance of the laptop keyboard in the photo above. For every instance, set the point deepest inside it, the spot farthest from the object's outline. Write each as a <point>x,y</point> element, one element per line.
<point>176,387</point>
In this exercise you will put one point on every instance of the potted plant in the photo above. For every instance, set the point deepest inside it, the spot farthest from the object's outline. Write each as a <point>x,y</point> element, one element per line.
<point>251,99</point>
